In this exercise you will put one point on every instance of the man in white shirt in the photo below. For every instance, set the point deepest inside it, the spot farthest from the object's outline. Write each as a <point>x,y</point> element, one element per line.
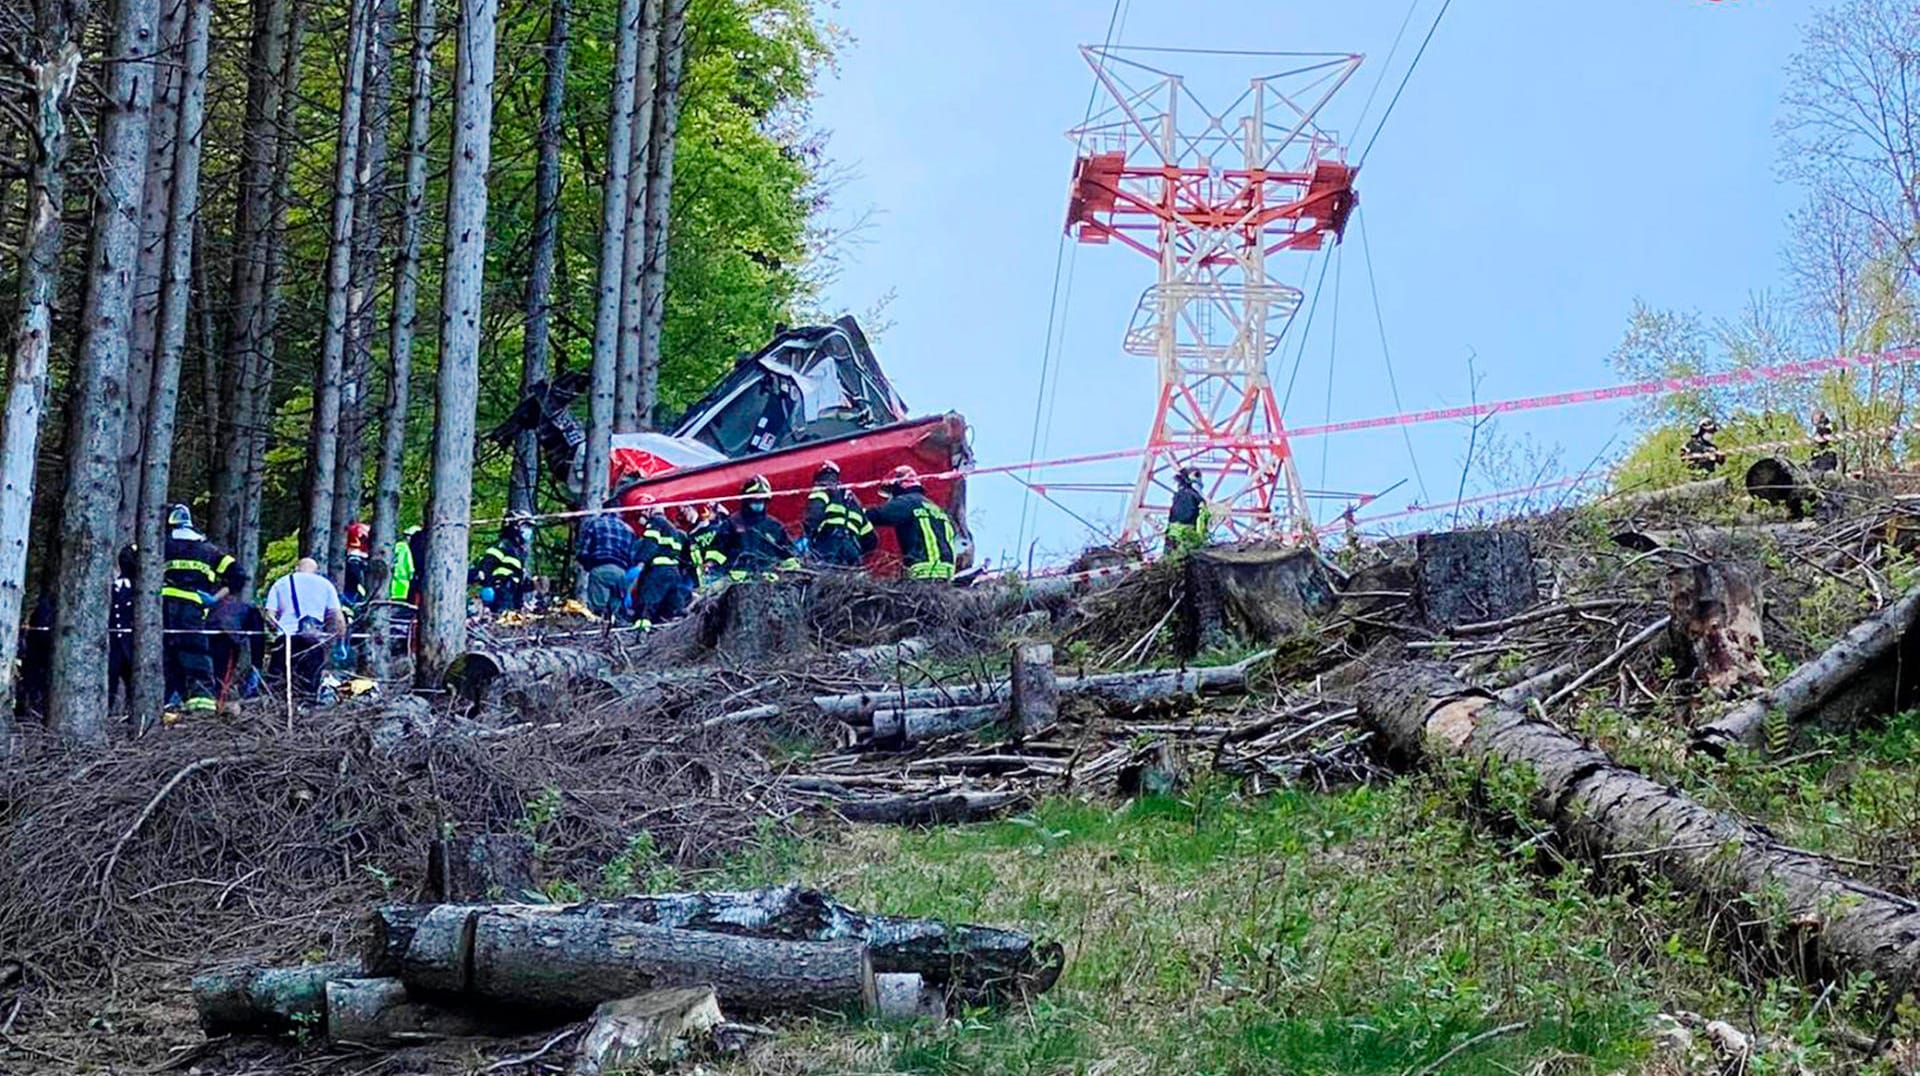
<point>305,606</point>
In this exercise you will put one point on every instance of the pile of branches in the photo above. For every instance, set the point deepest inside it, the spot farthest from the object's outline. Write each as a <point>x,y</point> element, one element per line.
<point>243,835</point>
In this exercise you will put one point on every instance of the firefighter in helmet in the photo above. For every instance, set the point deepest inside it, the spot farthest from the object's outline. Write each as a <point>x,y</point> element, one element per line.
<point>924,530</point>
<point>1188,519</point>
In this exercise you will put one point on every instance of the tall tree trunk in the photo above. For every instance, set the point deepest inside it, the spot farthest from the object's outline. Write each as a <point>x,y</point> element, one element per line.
<point>211,361</point>
<point>154,203</point>
<point>369,202</point>
<point>406,291</point>
<point>54,72</point>
<point>523,483</point>
<point>77,696</point>
<point>183,193</point>
<point>268,68</point>
<point>443,614</point>
<point>613,230</point>
<point>626,391</point>
<point>323,436</point>
<point>666,124</point>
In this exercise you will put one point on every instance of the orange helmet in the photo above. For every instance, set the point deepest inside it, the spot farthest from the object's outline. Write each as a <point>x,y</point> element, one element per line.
<point>903,478</point>
<point>359,537</point>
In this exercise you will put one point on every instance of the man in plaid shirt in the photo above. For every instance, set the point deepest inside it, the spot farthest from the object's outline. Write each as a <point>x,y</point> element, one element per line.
<point>605,548</point>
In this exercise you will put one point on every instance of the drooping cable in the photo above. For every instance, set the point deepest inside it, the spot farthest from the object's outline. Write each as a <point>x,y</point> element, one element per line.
<point>1386,353</point>
<point>1333,354</point>
<point>1053,300</point>
<point>1306,331</point>
<point>1385,66</point>
<point>1384,116</point>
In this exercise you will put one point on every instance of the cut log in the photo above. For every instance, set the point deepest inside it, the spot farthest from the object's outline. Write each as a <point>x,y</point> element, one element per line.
<point>755,621</point>
<point>406,718</point>
<point>887,656</point>
<point>974,963</point>
<point>256,999</point>
<point>483,867</point>
<point>1036,694</point>
<point>1611,816</point>
<point>1468,576</point>
<point>930,809</point>
<point>380,1013</point>
<point>1870,671</point>
<point>655,1028</point>
<point>1260,593</point>
<point>475,673</point>
<point>1113,689</point>
<point>1716,621</point>
<point>570,963</point>
<point>906,996</point>
<point>931,723</point>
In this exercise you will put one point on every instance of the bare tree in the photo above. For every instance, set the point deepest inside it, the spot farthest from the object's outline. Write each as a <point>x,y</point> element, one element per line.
<point>613,230</point>
<point>666,125</point>
<point>163,120</point>
<point>272,59</point>
<point>323,438</point>
<point>183,198</point>
<point>406,292</point>
<point>1851,119</point>
<point>443,613</point>
<point>626,387</point>
<point>369,205</point>
<point>77,696</point>
<point>52,70</point>
<point>1827,250</point>
<point>534,365</point>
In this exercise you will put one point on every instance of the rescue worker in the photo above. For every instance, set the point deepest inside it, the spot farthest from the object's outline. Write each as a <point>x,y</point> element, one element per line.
<point>836,527</point>
<point>198,575</point>
<point>709,553</point>
<point>354,593</point>
<point>400,586</point>
<point>1825,459</point>
<point>755,543</point>
<point>925,532</point>
<point>604,547</point>
<point>502,570</point>
<point>1188,519</point>
<point>688,519</point>
<point>1700,453</point>
<point>657,595</point>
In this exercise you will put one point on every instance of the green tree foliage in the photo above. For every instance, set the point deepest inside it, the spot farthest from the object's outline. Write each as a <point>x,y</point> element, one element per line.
<point>748,186</point>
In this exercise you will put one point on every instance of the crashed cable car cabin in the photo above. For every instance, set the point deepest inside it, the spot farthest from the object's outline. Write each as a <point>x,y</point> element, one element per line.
<point>813,394</point>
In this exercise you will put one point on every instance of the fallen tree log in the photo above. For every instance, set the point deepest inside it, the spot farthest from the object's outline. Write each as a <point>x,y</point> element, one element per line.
<point>256,999</point>
<point>1715,621</point>
<point>1867,672</point>
<point>975,963</point>
<point>571,963</point>
<point>931,809</point>
<point>379,1012</point>
<point>475,673</point>
<point>1827,921</point>
<point>1125,688</point>
<point>931,723</point>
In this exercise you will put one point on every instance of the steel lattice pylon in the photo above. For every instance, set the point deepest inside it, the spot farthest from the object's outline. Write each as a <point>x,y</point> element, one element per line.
<point>1209,196</point>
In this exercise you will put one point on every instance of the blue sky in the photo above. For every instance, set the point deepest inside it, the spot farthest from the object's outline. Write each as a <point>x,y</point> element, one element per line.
<point>1548,164</point>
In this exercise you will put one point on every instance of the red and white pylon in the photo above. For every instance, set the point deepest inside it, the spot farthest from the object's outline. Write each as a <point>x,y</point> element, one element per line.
<point>1209,196</point>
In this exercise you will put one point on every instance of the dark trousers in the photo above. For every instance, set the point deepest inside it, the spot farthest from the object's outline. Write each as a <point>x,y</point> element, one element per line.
<point>188,652</point>
<point>837,548</point>
<point>310,650</point>
<point>661,595</point>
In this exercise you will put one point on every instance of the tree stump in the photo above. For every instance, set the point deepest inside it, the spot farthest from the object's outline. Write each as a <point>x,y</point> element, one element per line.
<point>1260,593</point>
<point>756,621</point>
<point>635,1034</point>
<point>1716,624</point>
<point>487,866</point>
<point>1463,577</point>
<point>1036,694</point>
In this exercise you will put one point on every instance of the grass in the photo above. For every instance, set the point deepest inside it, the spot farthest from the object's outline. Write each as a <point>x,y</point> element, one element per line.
<point>1368,931</point>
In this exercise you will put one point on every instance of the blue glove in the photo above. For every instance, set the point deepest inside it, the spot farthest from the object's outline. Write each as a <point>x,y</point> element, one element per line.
<point>207,598</point>
<point>486,595</point>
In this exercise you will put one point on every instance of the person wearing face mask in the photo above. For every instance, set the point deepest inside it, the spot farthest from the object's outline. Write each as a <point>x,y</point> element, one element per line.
<point>756,544</point>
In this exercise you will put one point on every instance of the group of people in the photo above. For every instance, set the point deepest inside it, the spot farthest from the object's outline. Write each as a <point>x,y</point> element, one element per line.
<point>650,576</point>
<point>1703,457</point>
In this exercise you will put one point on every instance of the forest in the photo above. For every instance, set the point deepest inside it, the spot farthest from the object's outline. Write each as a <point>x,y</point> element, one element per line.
<point>279,261</point>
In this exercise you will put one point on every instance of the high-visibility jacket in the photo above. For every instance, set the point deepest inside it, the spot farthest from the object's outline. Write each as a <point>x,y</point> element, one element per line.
<point>196,568</point>
<point>499,566</point>
<point>924,530</point>
<point>1188,520</point>
<point>403,567</point>
<point>755,542</point>
<point>705,548</point>
<point>663,546</point>
<point>837,528</point>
